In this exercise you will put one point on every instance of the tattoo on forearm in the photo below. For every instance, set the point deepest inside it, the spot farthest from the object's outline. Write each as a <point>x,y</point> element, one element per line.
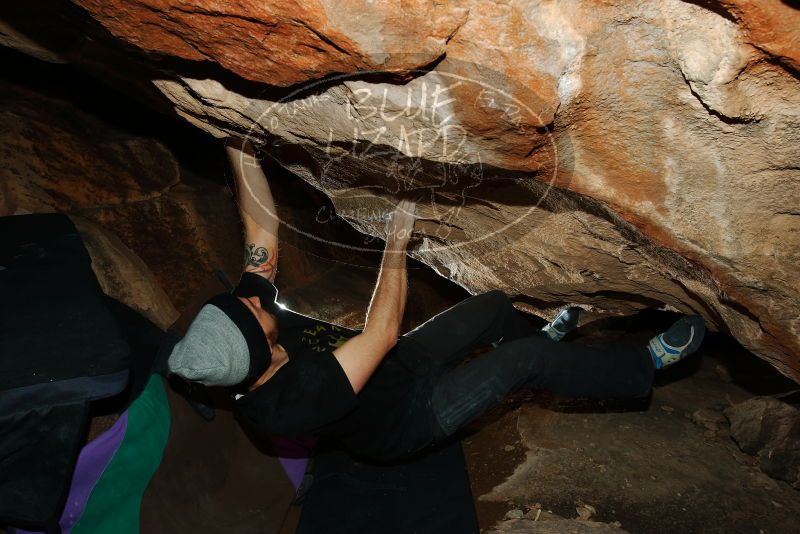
<point>256,259</point>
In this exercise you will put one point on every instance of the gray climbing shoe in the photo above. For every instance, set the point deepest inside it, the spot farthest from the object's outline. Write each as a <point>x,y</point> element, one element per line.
<point>682,339</point>
<point>565,322</point>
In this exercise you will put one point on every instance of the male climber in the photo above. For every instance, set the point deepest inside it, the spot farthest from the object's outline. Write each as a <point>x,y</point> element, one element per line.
<point>383,395</point>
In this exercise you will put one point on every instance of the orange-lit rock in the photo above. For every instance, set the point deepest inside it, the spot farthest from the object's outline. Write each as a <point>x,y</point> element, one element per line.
<point>771,25</point>
<point>283,43</point>
<point>617,155</point>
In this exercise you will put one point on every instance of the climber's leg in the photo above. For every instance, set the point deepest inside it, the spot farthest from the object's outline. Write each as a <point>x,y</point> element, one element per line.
<point>483,319</point>
<point>535,362</point>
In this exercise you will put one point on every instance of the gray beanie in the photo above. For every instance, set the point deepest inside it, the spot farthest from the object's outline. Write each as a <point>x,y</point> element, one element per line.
<point>213,352</point>
<point>224,346</point>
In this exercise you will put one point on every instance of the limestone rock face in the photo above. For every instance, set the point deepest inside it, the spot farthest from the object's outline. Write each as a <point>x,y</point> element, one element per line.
<point>615,155</point>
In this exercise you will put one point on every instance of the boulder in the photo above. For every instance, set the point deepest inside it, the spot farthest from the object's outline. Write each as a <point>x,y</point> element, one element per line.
<point>613,155</point>
<point>770,430</point>
<point>124,276</point>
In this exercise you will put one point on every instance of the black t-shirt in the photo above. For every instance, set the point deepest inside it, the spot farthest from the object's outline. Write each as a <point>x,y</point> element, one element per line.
<point>310,395</point>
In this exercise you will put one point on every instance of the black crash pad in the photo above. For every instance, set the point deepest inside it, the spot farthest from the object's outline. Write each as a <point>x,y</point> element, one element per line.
<point>428,495</point>
<point>60,348</point>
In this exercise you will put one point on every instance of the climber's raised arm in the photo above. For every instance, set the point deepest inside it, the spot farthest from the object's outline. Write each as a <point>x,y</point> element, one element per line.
<point>256,208</point>
<point>360,355</point>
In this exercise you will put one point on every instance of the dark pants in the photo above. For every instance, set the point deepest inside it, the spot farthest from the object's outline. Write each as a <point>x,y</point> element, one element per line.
<point>524,359</point>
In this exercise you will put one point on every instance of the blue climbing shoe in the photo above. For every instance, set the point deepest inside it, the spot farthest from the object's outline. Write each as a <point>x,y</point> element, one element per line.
<point>682,339</point>
<point>565,322</point>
